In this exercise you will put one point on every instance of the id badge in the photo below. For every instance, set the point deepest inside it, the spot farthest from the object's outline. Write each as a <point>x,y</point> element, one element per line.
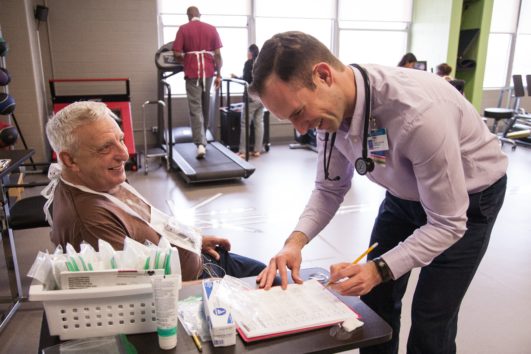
<point>377,140</point>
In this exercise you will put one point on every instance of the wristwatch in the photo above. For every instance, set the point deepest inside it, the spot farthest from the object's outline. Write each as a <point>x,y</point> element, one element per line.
<point>383,269</point>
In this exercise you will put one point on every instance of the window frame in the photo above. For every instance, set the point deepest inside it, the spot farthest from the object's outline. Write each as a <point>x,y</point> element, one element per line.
<point>515,33</point>
<point>337,25</point>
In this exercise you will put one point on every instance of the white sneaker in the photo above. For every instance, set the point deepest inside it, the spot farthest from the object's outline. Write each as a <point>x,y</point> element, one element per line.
<point>201,152</point>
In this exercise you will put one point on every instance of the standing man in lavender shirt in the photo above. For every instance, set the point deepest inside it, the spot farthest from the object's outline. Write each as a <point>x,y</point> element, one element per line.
<point>413,134</point>
<point>197,46</point>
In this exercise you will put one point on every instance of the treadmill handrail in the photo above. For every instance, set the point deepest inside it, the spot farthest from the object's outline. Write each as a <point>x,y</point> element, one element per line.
<point>246,98</point>
<point>228,81</point>
<point>160,103</point>
<point>169,142</point>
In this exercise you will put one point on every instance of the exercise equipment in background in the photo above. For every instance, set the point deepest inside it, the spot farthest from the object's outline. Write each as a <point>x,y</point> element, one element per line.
<point>8,135</point>
<point>5,78</point>
<point>219,163</point>
<point>74,90</point>
<point>150,153</point>
<point>517,128</point>
<point>7,104</point>
<point>4,48</point>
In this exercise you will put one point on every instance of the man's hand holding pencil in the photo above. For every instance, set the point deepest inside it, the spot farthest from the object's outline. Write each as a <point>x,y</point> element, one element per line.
<point>353,278</point>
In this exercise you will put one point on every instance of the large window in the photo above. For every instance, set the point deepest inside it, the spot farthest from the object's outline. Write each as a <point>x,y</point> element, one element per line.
<point>386,47</point>
<point>522,53</point>
<point>498,52</point>
<point>355,30</point>
<point>230,21</point>
<point>373,31</point>
<point>509,43</point>
<point>314,17</point>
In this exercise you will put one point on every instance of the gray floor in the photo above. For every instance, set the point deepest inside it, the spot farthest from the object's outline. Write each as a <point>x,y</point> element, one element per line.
<point>258,213</point>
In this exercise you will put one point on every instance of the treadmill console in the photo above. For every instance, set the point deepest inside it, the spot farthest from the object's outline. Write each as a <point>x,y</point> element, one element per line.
<point>165,60</point>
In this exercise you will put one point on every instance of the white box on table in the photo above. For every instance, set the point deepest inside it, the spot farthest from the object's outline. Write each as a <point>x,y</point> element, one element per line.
<point>220,322</point>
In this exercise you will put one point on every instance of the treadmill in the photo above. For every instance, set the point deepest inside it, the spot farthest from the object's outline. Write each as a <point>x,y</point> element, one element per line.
<point>220,163</point>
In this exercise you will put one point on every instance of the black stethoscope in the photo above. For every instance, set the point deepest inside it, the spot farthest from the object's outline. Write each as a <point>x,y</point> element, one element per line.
<point>364,163</point>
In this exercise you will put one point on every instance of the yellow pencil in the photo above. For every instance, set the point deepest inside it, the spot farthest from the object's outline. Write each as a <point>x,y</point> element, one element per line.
<point>197,342</point>
<point>367,251</point>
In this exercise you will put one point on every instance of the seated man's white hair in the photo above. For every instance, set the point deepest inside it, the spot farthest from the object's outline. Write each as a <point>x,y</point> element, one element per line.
<point>61,127</point>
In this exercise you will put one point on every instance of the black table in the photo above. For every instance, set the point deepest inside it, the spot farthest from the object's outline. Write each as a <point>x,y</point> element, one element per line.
<point>17,157</point>
<point>374,331</point>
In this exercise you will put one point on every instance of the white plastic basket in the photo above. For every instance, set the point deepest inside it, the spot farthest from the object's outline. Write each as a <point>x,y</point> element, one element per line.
<point>103,311</point>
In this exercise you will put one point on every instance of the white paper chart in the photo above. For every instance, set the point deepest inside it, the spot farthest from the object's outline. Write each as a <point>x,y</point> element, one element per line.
<point>299,307</point>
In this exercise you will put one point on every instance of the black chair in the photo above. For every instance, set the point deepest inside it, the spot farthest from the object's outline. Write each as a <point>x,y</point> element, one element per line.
<point>28,213</point>
<point>458,84</point>
<point>24,213</point>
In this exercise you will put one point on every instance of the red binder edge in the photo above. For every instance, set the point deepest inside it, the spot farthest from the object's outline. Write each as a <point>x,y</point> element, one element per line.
<point>280,334</point>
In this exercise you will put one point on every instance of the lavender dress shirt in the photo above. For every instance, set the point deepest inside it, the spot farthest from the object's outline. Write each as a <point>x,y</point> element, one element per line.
<point>440,151</point>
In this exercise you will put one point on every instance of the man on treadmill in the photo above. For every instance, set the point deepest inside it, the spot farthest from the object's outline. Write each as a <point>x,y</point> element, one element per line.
<point>197,46</point>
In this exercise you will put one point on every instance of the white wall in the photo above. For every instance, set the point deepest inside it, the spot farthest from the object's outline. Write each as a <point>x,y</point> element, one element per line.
<point>106,39</point>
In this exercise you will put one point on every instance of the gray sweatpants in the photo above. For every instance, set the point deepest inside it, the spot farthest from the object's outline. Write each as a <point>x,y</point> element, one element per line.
<point>198,105</point>
<point>256,114</point>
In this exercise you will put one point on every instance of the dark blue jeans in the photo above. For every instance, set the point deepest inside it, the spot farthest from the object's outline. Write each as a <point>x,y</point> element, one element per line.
<point>442,284</point>
<point>230,264</point>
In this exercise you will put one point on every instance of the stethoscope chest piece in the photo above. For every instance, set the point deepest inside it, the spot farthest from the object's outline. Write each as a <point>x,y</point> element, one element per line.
<point>364,165</point>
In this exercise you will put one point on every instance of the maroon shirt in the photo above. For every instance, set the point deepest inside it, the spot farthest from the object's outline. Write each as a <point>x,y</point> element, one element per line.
<point>197,36</point>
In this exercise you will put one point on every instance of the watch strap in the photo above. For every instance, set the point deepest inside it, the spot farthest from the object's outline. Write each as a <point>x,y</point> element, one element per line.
<point>383,269</point>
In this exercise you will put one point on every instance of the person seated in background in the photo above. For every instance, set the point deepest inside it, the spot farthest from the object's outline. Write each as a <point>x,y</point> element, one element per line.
<point>256,110</point>
<point>408,61</point>
<point>92,200</point>
<point>444,70</point>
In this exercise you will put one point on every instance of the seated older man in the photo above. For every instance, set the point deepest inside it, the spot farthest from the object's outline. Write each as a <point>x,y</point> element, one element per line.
<point>91,199</point>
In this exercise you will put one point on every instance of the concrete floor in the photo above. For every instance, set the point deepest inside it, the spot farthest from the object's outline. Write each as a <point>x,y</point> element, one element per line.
<point>258,213</point>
